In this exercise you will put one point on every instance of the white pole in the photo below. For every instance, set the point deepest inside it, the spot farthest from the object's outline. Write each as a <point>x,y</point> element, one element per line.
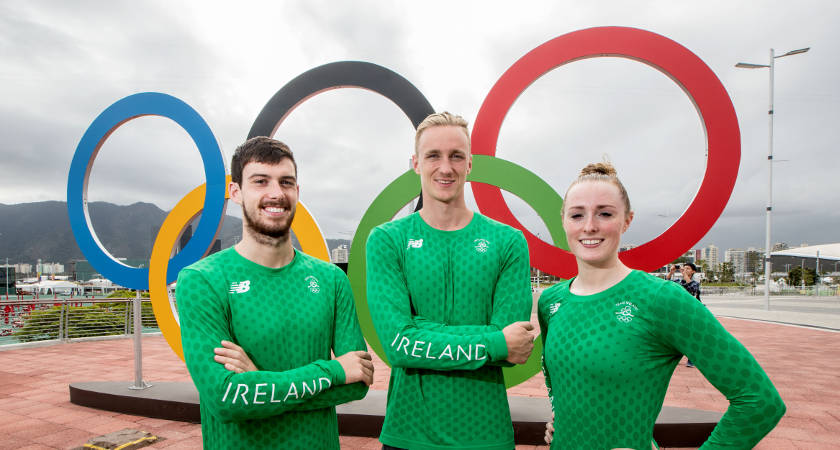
<point>802,274</point>
<point>138,345</point>
<point>767,264</point>
<point>817,275</point>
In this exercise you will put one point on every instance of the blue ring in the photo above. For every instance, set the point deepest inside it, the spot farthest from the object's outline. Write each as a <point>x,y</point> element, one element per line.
<point>128,108</point>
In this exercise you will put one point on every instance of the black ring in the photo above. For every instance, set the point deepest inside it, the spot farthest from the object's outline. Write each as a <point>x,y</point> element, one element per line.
<point>336,75</point>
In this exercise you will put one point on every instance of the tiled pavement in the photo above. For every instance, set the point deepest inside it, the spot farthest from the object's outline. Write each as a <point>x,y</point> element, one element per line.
<point>35,412</point>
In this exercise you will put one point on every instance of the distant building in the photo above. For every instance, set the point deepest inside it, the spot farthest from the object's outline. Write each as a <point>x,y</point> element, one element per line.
<point>754,260</point>
<point>82,270</point>
<point>7,285</point>
<point>340,254</point>
<point>737,258</point>
<point>710,255</point>
<point>50,268</point>
<point>826,255</point>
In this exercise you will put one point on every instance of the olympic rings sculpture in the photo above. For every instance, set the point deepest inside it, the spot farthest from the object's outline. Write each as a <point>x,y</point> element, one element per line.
<point>489,173</point>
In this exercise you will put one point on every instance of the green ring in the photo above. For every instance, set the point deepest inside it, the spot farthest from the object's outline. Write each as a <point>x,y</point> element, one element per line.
<point>486,169</point>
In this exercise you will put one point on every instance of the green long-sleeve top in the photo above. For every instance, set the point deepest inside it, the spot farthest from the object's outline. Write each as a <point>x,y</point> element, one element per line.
<point>288,320</point>
<point>439,300</point>
<point>609,357</point>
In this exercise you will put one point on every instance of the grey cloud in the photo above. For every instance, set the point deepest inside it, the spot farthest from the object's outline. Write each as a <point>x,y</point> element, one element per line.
<point>64,64</point>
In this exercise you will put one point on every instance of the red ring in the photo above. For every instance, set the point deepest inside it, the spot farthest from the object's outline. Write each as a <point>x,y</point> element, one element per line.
<point>687,70</point>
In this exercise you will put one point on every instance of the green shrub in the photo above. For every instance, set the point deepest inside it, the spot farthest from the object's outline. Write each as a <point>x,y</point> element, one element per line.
<point>82,321</point>
<point>125,293</point>
<point>40,325</point>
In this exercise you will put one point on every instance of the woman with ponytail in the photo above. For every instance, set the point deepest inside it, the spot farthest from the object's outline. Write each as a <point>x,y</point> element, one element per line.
<point>612,337</point>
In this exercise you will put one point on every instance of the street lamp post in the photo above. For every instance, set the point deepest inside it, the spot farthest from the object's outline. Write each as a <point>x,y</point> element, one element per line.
<point>769,208</point>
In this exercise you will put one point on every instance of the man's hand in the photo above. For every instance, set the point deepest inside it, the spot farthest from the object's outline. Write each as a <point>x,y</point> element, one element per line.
<point>357,367</point>
<point>549,430</point>
<point>234,358</point>
<point>520,341</point>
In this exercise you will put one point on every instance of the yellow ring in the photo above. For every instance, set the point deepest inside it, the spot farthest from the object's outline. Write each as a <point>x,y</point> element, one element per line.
<point>304,226</point>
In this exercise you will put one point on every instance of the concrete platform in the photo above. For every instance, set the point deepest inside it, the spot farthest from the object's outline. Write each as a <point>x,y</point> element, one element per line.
<point>675,427</point>
<point>36,411</point>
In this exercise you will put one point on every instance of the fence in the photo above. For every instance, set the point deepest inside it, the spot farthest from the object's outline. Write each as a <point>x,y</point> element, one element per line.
<point>821,291</point>
<point>68,319</point>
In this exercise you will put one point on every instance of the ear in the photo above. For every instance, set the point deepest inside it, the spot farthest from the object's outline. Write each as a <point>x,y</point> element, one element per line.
<point>469,163</point>
<point>415,163</point>
<point>627,220</point>
<point>235,192</point>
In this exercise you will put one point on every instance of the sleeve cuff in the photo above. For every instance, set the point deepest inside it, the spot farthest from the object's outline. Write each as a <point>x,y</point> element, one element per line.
<point>497,346</point>
<point>337,372</point>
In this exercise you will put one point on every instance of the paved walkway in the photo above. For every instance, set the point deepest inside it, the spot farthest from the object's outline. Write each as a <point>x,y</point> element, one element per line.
<point>36,412</point>
<point>823,312</point>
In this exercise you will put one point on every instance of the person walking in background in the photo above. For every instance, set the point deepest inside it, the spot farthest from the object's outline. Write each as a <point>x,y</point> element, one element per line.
<point>688,283</point>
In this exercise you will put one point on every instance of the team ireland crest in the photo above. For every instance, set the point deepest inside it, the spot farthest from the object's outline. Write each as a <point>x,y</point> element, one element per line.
<point>481,245</point>
<point>313,284</point>
<point>625,311</point>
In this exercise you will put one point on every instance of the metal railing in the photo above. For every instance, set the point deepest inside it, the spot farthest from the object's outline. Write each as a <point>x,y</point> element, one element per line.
<point>69,319</point>
<point>821,291</point>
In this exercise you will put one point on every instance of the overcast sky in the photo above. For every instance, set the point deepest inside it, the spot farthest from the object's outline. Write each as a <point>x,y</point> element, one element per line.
<point>64,62</point>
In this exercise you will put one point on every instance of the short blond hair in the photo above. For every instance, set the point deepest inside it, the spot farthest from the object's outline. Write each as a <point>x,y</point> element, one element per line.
<point>441,119</point>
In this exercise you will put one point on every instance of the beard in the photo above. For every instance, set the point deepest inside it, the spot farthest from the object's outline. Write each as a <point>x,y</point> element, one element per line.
<point>278,232</point>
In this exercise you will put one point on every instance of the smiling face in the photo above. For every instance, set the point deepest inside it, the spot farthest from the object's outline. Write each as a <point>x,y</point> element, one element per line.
<point>443,161</point>
<point>594,219</point>
<point>268,194</point>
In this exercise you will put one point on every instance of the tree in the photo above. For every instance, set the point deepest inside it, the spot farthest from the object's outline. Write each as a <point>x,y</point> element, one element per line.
<point>680,260</point>
<point>703,265</point>
<point>795,276</point>
<point>727,272</point>
<point>754,261</point>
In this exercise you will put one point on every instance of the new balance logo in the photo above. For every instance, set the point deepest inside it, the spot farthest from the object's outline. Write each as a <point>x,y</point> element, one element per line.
<point>240,287</point>
<point>554,307</point>
<point>415,243</point>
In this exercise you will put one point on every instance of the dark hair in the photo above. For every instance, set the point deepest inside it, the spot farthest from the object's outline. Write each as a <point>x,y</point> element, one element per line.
<point>693,267</point>
<point>259,149</point>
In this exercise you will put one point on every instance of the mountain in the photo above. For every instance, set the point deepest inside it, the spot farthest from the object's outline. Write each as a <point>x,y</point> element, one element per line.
<point>29,231</point>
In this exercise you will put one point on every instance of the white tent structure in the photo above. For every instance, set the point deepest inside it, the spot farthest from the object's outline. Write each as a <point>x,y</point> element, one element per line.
<point>826,251</point>
<point>52,287</point>
<point>826,255</point>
